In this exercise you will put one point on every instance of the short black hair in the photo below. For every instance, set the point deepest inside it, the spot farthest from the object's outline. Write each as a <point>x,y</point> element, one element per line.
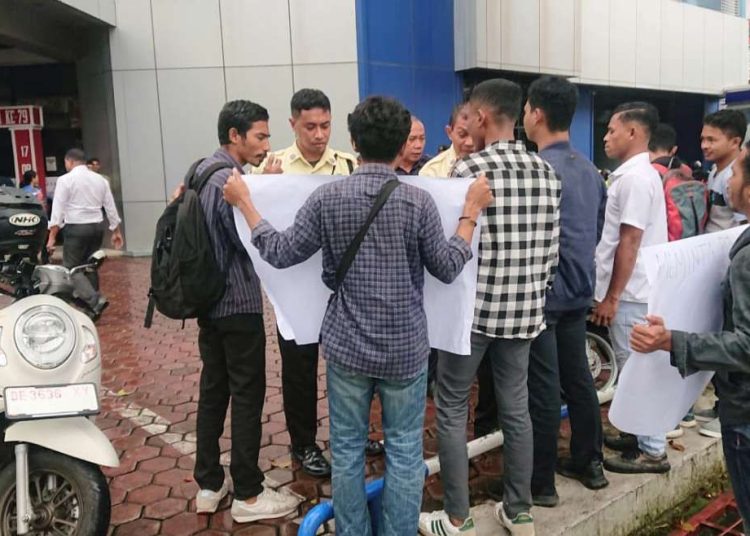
<point>643,113</point>
<point>307,99</point>
<point>28,176</point>
<point>503,97</point>
<point>239,114</point>
<point>557,98</point>
<point>379,127</point>
<point>731,122</point>
<point>92,160</point>
<point>75,155</point>
<point>664,138</point>
<point>455,113</point>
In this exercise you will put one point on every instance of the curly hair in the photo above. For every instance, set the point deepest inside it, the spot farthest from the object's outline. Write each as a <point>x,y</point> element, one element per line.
<point>379,127</point>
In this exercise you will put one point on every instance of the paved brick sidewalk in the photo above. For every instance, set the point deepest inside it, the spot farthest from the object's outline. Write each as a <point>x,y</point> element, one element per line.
<point>150,379</point>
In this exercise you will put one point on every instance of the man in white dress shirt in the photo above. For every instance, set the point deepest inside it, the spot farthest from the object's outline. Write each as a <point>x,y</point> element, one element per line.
<point>80,196</point>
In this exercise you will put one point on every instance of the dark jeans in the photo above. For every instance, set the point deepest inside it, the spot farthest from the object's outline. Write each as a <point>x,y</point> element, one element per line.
<point>81,241</point>
<point>737,453</point>
<point>558,360</point>
<point>299,386</point>
<point>233,351</point>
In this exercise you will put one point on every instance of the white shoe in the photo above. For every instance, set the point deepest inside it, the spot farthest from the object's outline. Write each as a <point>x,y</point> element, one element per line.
<point>207,501</point>
<point>677,432</point>
<point>269,504</point>
<point>521,525</point>
<point>438,523</point>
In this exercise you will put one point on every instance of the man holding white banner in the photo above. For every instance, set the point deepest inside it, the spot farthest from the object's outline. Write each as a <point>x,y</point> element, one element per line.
<point>377,236</point>
<point>726,352</point>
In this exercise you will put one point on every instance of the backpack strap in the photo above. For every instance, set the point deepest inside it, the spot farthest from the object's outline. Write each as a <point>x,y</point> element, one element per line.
<point>203,177</point>
<point>149,310</point>
<point>351,251</point>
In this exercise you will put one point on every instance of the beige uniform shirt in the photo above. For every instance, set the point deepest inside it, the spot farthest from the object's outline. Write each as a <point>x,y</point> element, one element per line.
<point>332,162</point>
<point>441,165</point>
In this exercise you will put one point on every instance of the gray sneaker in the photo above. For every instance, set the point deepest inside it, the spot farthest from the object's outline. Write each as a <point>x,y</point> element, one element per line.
<point>711,429</point>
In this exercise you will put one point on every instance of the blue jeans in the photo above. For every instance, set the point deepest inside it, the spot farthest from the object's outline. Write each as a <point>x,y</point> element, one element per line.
<point>629,314</point>
<point>403,403</point>
<point>737,454</point>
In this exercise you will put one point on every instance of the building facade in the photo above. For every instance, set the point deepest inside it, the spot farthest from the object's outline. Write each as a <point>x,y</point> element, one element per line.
<point>139,83</point>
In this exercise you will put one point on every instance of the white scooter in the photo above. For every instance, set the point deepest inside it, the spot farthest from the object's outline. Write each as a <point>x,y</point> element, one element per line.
<point>50,373</point>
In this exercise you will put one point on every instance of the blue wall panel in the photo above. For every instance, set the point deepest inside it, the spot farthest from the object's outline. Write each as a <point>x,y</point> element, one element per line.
<point>405,50</point>
<point>582,128</point>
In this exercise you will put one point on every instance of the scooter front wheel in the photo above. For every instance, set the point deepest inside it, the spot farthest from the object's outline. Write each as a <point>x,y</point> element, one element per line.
<point>68,496</point>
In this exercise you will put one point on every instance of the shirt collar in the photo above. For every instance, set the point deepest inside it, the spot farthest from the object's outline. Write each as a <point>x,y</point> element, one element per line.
<point>224,155</point>
<point>638,160</point>
<point>374,169</point>
<point>329,156</point>
<point>558,145</point>
<point>506,145</point>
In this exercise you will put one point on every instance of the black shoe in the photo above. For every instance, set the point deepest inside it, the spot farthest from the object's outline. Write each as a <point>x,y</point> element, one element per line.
<point>495,489</point>
<point>622,442</point>
<point>98,309</point>
<point>590,475</point>
<point>636,461</point>
<point>374,448</point>
<point>547,500</point>
<point>312,460</point>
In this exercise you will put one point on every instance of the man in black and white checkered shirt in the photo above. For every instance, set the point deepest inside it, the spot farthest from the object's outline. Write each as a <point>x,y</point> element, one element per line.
<point>518,256</point>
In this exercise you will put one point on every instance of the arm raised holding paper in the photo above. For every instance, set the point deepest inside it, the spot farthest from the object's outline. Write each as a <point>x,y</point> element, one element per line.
<point>726,352</point>
<point>302,239</point>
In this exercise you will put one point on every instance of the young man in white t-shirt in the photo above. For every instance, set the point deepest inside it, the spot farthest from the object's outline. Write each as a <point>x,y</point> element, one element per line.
<point>721,142</point>
<point>635,218</point>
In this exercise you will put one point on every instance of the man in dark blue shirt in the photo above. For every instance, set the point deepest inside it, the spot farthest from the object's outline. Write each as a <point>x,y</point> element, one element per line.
<point>558,355</point>
<point>374,332</point>
<point>231,339</point>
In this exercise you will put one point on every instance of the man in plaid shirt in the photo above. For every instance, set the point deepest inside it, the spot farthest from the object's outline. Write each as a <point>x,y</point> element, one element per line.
<point>374,333</point>
<point>518,256</point>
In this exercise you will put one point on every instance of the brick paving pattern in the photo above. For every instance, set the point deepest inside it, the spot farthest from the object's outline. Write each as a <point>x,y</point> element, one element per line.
<point>150,396</point>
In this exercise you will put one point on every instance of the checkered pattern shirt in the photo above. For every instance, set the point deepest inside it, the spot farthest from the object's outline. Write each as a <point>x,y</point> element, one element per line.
<point>519,241</point>
<point>376,324</point>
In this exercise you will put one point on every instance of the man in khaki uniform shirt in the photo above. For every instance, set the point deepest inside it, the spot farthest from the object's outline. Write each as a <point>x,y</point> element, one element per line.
<point>461,145</point>
<point>308,155</point>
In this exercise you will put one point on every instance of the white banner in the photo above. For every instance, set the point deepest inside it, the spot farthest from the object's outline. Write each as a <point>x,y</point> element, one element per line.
<point>298,295</point>
<point>685,279</point>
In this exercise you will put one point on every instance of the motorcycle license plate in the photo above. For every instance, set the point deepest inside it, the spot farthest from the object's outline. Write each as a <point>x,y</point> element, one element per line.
<point>39,402</point>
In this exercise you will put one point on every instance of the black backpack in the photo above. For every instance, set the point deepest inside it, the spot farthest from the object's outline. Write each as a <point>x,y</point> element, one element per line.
<point>185,278</point>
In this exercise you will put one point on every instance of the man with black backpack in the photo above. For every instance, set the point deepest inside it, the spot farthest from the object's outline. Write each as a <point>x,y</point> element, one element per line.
<point>374,333</point>
<point>232,338</point>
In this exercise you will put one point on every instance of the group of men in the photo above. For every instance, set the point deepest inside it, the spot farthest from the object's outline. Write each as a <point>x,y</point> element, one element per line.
<point>554,239</point>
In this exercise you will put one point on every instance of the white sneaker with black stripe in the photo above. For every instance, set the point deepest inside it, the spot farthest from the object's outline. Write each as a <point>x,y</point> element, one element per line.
<point>438,523</point>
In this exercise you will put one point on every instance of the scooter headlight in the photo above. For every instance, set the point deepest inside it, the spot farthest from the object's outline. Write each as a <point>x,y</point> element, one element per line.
<point>45,336</point>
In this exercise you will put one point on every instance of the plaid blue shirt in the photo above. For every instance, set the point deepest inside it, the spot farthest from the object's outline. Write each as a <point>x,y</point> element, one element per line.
<point>376,326</point>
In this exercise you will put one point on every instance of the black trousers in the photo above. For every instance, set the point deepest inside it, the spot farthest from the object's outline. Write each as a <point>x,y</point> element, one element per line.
<point>233,352</point>
<point>558,362</point>
<point>299,388</point>
<point>81,241</point>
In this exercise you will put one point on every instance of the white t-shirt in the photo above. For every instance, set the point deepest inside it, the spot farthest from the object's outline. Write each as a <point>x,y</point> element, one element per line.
<point>721,217</point>
<point>635,198</point>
